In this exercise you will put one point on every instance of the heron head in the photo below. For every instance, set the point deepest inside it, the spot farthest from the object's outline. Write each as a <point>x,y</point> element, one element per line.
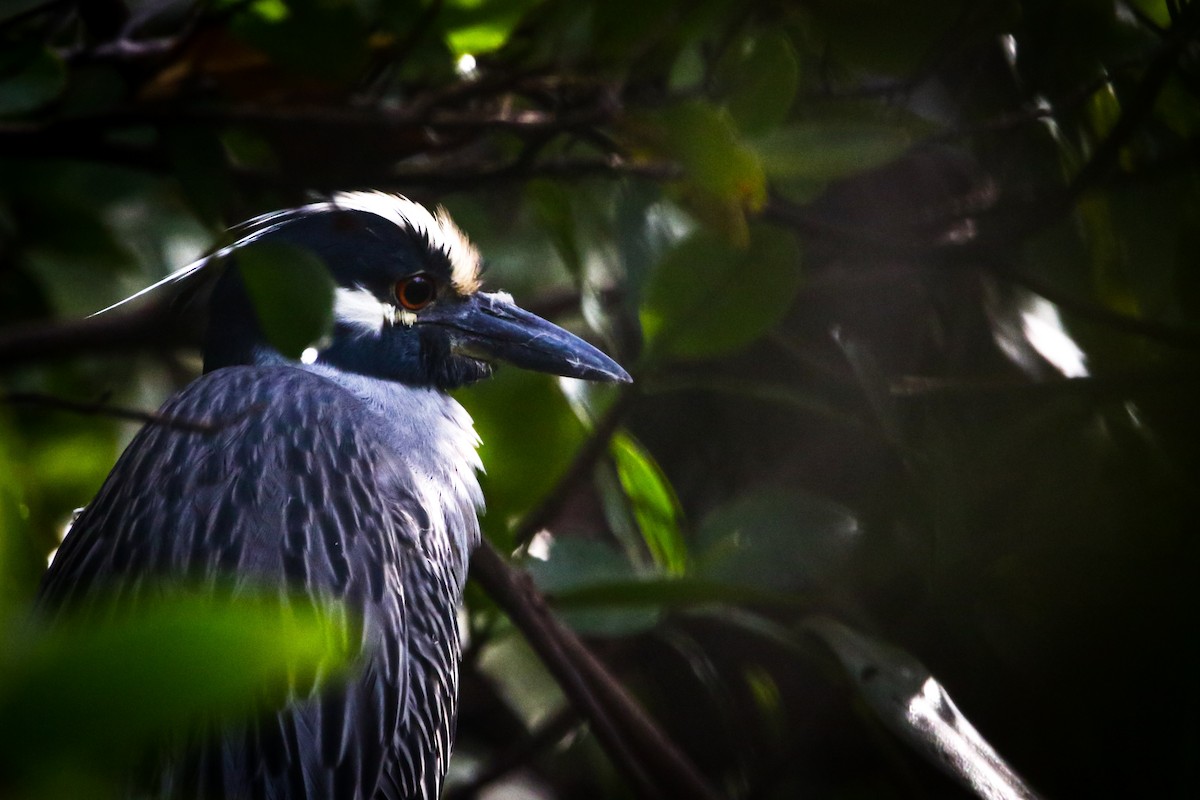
<point>408,304</point>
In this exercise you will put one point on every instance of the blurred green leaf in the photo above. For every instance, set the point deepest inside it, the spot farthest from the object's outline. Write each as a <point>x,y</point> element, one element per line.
<point>776,539</point>
<point>518,675</point>
<point>579,565</point>
<point>655,506</point>
<point>708,298</point>
<point>759,77</point>
<point>526,452</point>
<point>704,140</point>
<point>247,148</point>
<point>292,293</point>
<point>551,202</point>
<point>829,149</point>
<point>1157,10</point>
<point>198,159</point>
<point>476,26</point>
<point>100,690</point>
<point>13,524</point>
<point>875,36</point>
<point>29,79</point>
<point>319,38</point>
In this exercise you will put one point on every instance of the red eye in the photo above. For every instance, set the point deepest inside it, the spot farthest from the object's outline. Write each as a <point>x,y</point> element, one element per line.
<point>416,292</point>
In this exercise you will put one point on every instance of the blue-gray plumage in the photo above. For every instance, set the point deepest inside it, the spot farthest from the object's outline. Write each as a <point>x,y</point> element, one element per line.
<point>351,476</point>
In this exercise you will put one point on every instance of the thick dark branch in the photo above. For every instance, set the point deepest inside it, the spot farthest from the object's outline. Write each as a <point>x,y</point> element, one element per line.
<point>143,329</point>
<point>651,761</point>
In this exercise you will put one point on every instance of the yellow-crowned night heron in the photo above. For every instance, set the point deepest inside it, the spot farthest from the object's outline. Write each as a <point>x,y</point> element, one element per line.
<point>350,476</point>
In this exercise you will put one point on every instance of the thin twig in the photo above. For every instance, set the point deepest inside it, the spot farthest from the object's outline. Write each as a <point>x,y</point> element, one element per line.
<point>1182,33</point>
<point>101,408</point>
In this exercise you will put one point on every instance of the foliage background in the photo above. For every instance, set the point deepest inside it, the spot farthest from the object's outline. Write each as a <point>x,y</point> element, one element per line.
<point>911,296</point>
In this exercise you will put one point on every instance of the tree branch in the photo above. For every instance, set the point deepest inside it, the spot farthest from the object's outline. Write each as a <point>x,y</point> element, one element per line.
<point>1182,33</point>
<point>648,758</point>
<point>146,328</point>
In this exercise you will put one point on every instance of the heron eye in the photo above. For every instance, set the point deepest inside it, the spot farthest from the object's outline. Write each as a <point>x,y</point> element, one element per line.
<point>416,292</point>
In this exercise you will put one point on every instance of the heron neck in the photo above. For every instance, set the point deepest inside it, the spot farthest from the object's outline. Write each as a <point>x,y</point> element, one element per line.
<point>434,437</point>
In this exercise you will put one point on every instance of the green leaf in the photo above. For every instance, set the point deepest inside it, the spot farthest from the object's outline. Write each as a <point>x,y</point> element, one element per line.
<point>778,540</point>
<point>198,161</point>
<point>529,437</point>
<point>292,293</point>
<point>29,79</point>
<point>475,26</point>
<point>323,39</point>
<point>579,565</point>
<point>100,690</point>
<point>759,77</point>
<point>552,204</point>
<point>708,298</point>
<point>884,36</point>
<point>655,506</point>
<point>13,526</point>
<point>704,140</point>
<point>826,150</point>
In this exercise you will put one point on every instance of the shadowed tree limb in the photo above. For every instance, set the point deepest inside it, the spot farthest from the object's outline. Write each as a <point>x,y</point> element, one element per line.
<point>638,747</point>
<point>146,328</point>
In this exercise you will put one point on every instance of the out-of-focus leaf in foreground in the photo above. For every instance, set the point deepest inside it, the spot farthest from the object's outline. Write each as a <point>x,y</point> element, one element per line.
<point>913,704</point>
<point>292,293</point>
<point>91,695</point>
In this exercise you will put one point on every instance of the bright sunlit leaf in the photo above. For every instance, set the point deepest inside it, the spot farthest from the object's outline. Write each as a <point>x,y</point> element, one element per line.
<point>654,504</point>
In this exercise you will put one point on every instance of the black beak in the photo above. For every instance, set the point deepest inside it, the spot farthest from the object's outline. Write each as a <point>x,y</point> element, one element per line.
<point>490,327</point>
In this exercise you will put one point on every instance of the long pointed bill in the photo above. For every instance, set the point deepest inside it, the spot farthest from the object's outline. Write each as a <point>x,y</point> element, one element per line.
<point>490,327</point>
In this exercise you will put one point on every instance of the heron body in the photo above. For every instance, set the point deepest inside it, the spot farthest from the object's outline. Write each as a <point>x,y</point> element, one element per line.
<point>351,478</point>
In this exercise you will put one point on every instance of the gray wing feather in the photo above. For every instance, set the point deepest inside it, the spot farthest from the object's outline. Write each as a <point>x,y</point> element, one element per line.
<point>292,491</point>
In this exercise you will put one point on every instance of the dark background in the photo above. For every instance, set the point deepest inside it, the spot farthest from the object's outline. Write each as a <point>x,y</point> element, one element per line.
<point>910,292</point>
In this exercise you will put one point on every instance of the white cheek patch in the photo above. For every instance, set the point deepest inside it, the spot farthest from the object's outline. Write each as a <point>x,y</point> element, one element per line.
<point>363,311</point>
